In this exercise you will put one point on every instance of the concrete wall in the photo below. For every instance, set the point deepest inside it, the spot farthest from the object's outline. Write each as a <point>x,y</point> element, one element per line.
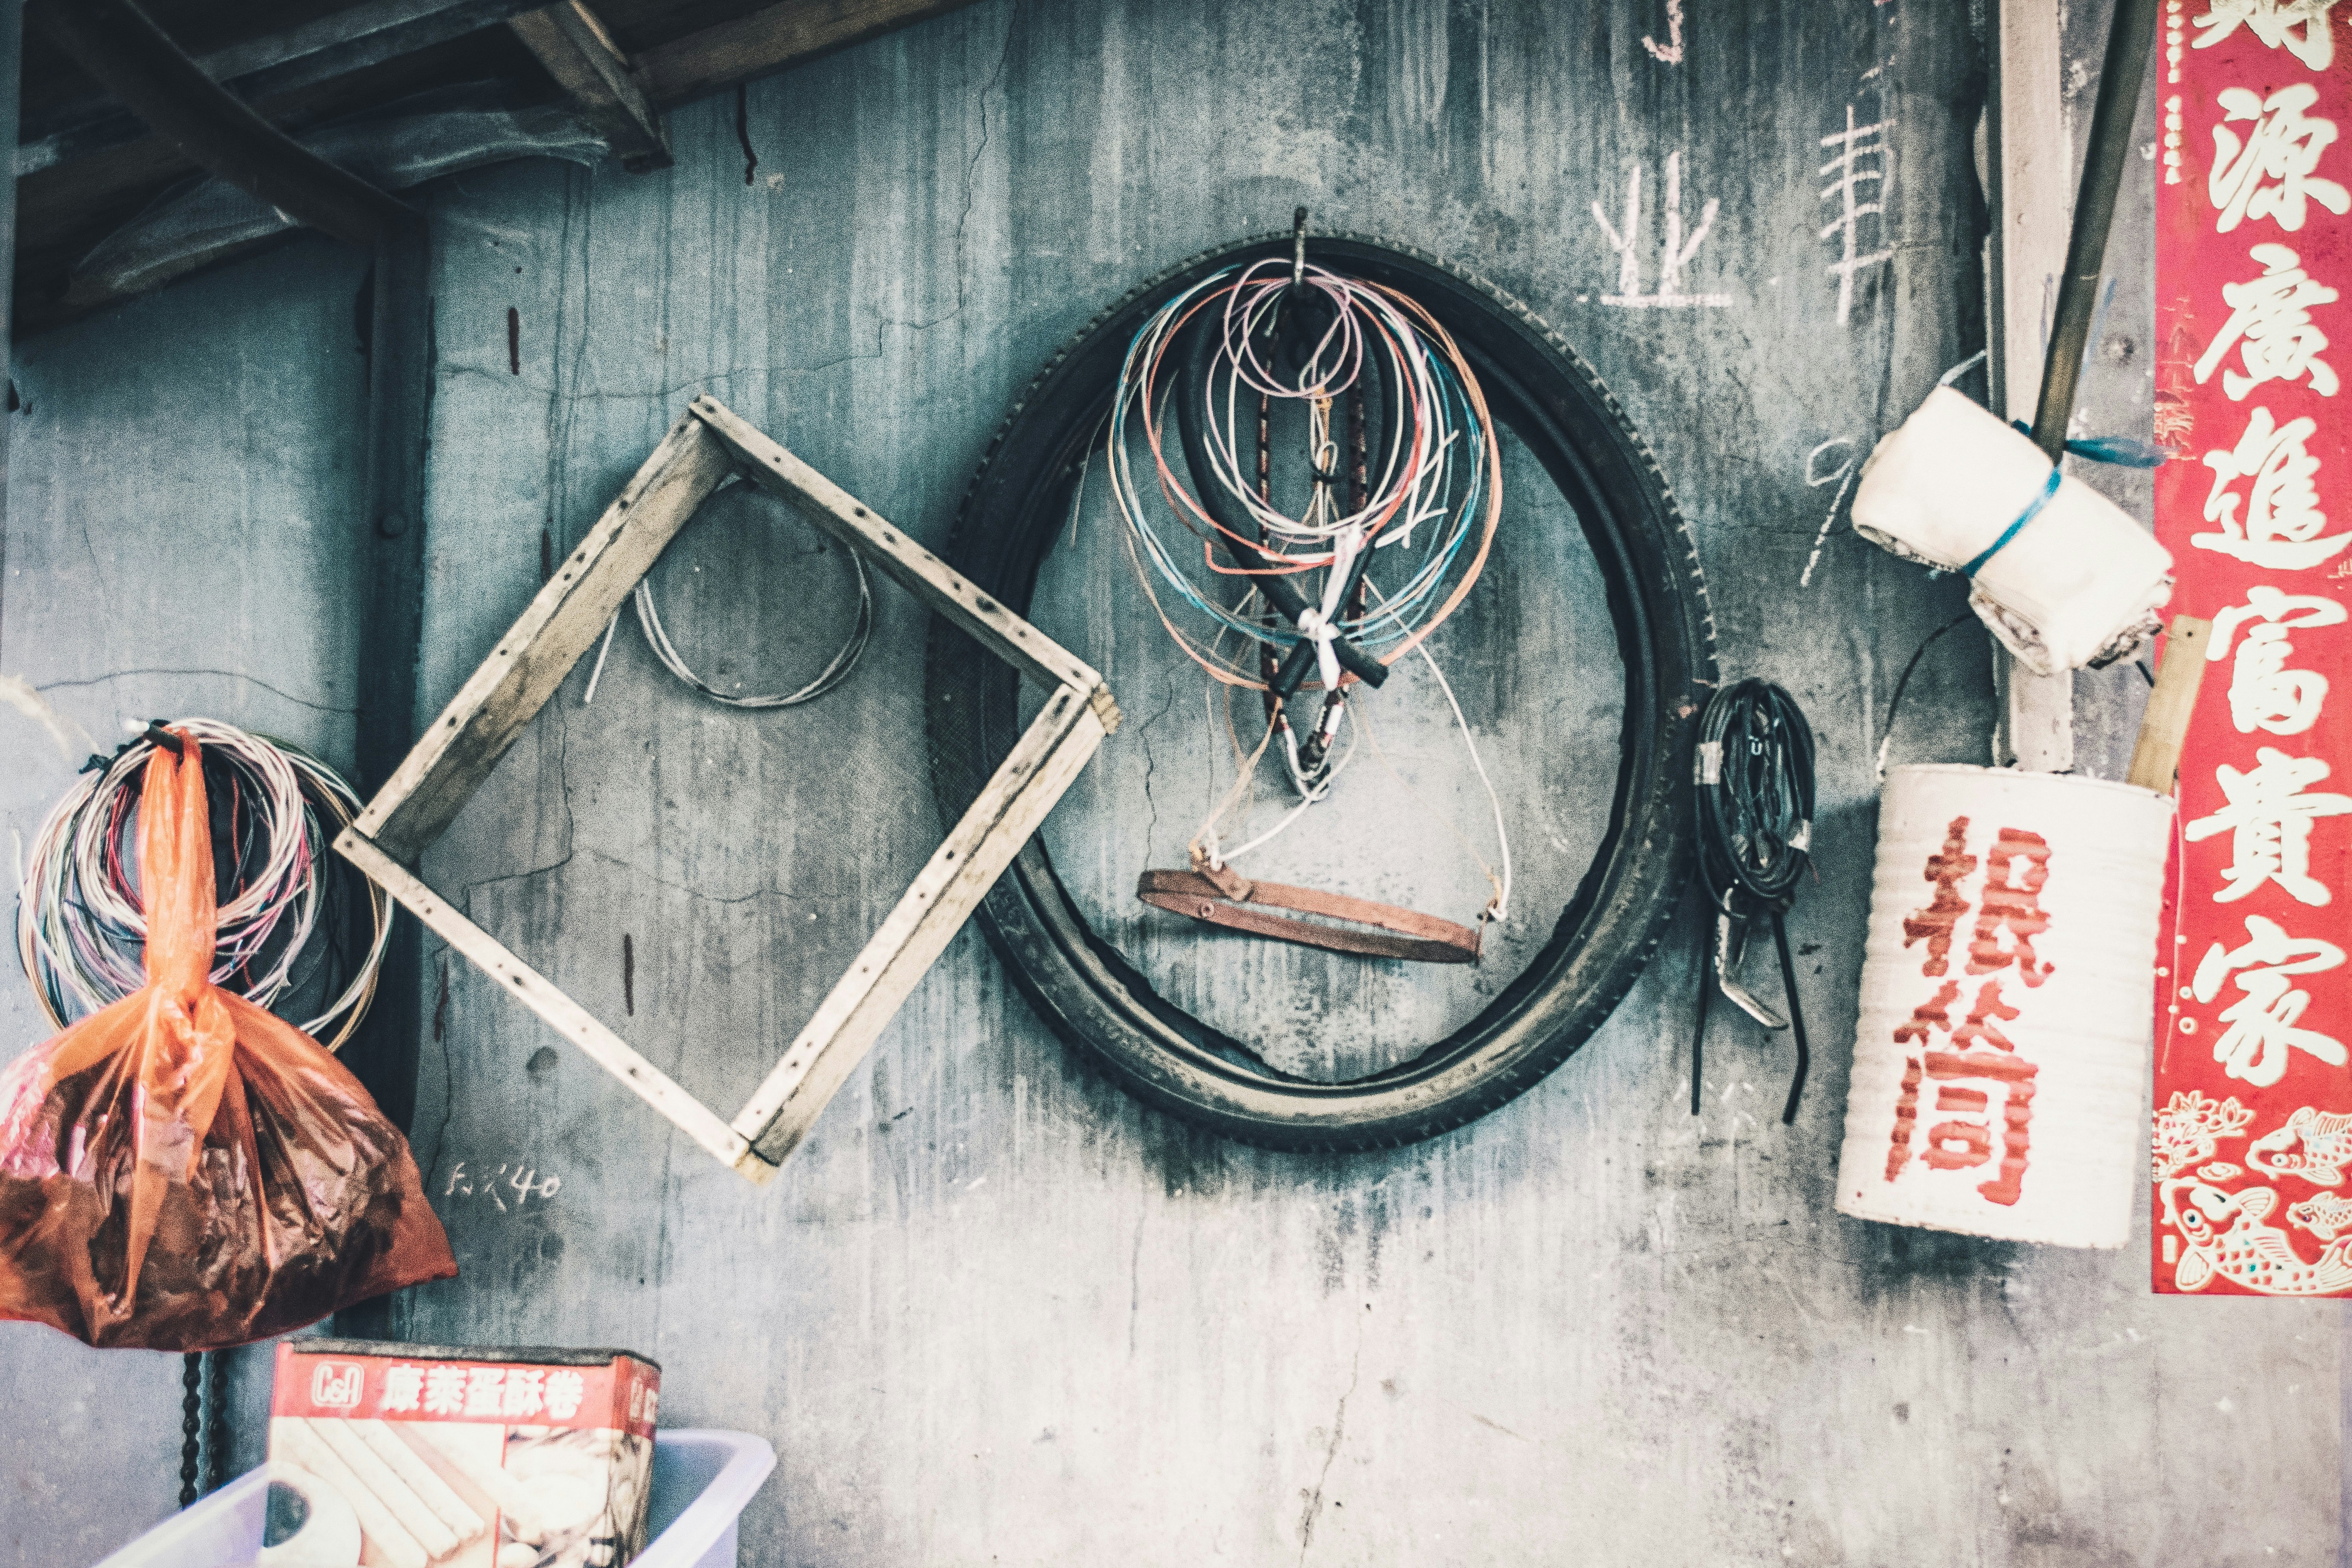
<point>994,1310</point>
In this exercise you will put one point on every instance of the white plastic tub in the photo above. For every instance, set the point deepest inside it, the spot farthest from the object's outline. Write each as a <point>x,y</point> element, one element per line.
<point>701,1481</point>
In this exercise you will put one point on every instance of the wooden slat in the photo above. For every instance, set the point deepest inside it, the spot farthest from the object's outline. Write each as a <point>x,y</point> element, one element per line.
<point>2164,728</point>
<point>960,873</point>
<point>772,39</point>
<point>561,621</point>
<point>914,568</point>
<point>2031,161</point>
<point>339,44</point>
<point>566,1016</point>
<point>578,51</point>
<point>2033,172</point>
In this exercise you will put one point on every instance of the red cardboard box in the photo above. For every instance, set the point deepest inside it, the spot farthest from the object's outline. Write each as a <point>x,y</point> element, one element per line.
<point>390,1455</point>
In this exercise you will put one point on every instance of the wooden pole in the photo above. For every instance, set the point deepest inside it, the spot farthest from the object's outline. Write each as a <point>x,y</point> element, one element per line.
<point>2164,729</point>
<point>2031,159</point>
<point>2131,38</point>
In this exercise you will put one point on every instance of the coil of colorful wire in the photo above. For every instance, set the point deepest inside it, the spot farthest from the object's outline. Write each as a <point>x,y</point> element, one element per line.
<point>81,927</point>
<point>1438,477</point>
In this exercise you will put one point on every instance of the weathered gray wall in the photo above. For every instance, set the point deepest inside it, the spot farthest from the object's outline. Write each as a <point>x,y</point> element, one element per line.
<point>992,1311</point>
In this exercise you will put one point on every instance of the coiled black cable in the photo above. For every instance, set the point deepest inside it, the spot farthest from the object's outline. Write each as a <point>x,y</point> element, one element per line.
<point>1753,784</point>
<point>1756,812</point>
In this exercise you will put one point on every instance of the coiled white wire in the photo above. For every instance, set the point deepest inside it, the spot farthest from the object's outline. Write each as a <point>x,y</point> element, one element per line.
<point>81,925</point>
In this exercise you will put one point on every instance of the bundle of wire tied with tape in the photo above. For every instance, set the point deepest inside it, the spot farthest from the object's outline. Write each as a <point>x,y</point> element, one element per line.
<point>1753,781</point>
<point>2063,576</point>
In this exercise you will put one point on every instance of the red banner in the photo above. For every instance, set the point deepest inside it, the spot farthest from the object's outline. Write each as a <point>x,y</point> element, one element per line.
<point>2252,1143</point>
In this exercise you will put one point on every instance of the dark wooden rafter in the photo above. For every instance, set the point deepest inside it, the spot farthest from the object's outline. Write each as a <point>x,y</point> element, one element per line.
<point>605,88</point>
<point>772,39</point>
<point>618,94</point>
<point>87,166</point>
<point>330,47</point>
<point>124,52</point>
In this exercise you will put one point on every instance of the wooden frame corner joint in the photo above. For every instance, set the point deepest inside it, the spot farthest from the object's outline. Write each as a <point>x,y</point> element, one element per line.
<point>604,86</point>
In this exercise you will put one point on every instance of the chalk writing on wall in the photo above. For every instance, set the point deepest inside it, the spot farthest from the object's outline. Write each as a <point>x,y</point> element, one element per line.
<point>1671,51</point>
<point>1676,249</point>
<point>511,1186</point>
<point>1831,463</point>
<point>1860,165</point>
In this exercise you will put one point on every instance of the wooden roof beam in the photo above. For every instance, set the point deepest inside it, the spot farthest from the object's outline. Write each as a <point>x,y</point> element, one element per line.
<point>338,45</point>
<point>605,88</point>
<point>124,52</point>
<point>769,39</point>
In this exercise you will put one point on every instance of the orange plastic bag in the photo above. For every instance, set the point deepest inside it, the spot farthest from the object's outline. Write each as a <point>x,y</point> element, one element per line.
<point>183,1170</point>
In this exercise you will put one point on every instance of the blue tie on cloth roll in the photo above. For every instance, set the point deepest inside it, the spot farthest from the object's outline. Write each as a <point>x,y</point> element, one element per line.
<point>2063,576</point>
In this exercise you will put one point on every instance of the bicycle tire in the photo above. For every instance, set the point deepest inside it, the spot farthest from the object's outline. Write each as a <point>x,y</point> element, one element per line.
<point>1089,994</point>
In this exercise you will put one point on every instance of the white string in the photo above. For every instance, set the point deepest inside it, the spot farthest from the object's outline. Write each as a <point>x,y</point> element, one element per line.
<point>1205,842</point>
<point>597,674</point>
<point>1205,839</point>
<point>1969,365</point>
<point>1499,911</point>
<point>1226,858</point>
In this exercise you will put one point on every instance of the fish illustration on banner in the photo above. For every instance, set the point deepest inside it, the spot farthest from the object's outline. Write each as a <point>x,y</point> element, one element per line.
<point>2252,1133</point>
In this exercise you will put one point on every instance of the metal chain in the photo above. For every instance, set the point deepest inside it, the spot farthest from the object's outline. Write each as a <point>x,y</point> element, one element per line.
<point>191,1408</point>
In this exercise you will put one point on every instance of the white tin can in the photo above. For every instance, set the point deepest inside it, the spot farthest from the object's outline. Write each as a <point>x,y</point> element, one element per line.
<point>2001,1060</point>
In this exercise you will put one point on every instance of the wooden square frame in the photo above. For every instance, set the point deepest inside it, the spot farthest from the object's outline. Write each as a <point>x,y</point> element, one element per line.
<point>706,445</point>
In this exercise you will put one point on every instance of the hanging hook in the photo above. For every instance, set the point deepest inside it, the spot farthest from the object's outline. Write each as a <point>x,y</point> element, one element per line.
<point>1730,947</point>
<point>1298,247</point>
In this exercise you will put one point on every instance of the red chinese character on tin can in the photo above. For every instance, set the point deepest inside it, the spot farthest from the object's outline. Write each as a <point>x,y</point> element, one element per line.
<point>1978,1063</point>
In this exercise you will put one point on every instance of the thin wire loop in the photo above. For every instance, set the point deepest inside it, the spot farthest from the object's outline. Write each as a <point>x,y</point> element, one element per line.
<point>649,621</point>
<point>844,660</point>
<point>1441,466</point>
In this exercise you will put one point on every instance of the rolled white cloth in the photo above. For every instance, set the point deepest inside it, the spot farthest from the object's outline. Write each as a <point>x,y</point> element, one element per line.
<point>2079,583</point>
